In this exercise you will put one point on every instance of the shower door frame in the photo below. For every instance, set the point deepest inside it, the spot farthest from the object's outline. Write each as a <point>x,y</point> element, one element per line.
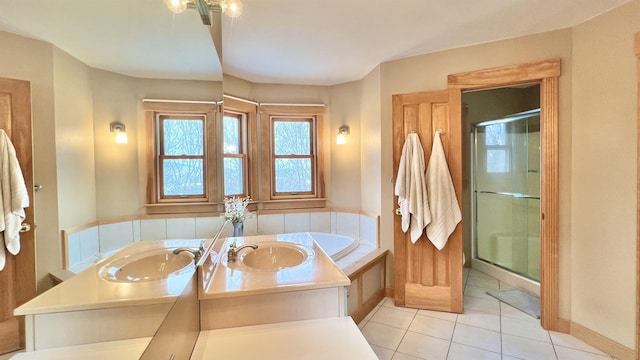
<point>546,73</point>
<point>486,265</point>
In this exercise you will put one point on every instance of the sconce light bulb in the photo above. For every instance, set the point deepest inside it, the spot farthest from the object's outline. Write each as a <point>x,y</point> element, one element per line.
<point>122,138</point>
<point>177,6</point>
<point>232,8</point>
<point>341,139</point>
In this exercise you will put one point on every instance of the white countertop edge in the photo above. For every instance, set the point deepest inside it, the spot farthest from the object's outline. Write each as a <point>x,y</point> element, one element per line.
<point>130,349</point>
<point>335,338</point>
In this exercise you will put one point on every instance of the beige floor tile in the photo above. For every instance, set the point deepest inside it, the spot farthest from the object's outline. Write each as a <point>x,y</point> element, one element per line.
<point>464,352</point>
<point>479,274</point>
<point>427,325</point>
<point>401,356</point>
<point>382,353</point>
<point>477,291</point>
<point>389,303</point>
<point>510,311</point>
<point>393,317</point>
<point>480,319</point>
<point>477,337</point>
<point>423,346</point>
<point>482,304</point>
<point>439,315</point>
<point>488,283</point>
<point>527,349</point>
<point>381,335</point>
<point>527,328</point>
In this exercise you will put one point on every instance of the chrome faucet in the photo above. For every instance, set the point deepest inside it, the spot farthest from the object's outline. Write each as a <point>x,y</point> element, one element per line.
<point>196,253</point>
<point>232,254</point>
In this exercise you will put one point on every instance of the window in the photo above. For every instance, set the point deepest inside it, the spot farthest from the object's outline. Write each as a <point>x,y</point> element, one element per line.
<point>240,174</point>
<point>181,156</point>
<point>234,157</point>
<point>292,156</point>
<point>293,161</point>
<point>497,150</point>
<point>182,160</point>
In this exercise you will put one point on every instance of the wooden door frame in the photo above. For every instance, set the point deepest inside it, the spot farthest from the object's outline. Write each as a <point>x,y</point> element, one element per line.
<point>547,73</point>
<point>20,132</point>
<point>637,52</point>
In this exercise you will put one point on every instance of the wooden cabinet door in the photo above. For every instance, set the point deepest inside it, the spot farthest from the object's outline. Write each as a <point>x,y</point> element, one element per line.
<point>426,278</point>
<point>17,279</point>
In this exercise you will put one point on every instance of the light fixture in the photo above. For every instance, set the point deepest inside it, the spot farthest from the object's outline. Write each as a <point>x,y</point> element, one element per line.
<point>343,131</point>
<point>121,133</point>
<point>231,8</point>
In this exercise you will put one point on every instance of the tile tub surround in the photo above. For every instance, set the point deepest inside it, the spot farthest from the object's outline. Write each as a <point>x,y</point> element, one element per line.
<point>86,244</point>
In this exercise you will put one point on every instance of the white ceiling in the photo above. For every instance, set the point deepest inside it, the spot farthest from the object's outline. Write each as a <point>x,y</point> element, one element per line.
<point>318,42</point>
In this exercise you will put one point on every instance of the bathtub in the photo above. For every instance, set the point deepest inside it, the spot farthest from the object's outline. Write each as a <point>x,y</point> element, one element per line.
<point>336,246</point>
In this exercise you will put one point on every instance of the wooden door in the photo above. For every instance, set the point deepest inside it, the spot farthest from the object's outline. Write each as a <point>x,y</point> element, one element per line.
<point>17,279</point>
<point>426,278</point>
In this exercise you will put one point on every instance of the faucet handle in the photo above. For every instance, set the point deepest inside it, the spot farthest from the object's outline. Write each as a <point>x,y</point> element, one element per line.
<point>201,245</point>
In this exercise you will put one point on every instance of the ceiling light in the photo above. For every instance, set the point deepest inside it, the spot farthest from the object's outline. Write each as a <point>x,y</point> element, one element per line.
<point>232,8</point>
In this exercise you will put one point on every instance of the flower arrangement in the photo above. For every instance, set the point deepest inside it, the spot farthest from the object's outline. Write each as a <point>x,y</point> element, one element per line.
<point>235,209</point>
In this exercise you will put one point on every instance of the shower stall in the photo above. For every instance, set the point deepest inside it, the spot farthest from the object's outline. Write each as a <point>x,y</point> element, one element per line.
<point>506,193</point>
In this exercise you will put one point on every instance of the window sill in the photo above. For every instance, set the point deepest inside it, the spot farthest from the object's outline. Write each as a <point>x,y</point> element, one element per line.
<point>294,204</point>
<point>182,208</point>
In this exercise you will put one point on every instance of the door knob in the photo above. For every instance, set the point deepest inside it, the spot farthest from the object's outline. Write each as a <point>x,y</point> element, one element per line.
<point>398,212</point>
<point>25,227</point>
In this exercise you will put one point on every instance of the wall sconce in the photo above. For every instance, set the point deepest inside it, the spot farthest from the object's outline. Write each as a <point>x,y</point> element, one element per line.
<point>121,134</point>
<point>343,131</point>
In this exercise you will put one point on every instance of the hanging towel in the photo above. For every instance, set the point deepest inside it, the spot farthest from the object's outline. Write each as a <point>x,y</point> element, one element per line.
<point>411,188</point>
<point>445,211</point>
<point>13,199</point>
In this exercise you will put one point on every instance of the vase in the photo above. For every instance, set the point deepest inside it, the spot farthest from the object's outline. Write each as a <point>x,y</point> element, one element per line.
<point>238,228</point>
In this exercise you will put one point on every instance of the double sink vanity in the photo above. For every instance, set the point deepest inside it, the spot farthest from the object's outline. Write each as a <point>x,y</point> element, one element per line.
<point>145,300</point>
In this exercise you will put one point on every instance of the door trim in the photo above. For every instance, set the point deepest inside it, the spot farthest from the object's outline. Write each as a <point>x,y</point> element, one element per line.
<point>547,73</point>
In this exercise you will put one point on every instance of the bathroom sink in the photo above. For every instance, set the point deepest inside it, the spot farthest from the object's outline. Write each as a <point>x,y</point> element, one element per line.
<point>275,256</point>
<point>147,266</point>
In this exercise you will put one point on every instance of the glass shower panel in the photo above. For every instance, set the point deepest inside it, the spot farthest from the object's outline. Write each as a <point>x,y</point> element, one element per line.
<point>507,194</point>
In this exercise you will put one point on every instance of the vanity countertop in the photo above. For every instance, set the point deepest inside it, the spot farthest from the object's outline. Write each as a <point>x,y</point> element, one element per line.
<point>223,279</point>
<point>87,290</point>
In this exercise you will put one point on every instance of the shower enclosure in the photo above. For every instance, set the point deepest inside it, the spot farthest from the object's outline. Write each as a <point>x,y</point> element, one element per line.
<point>506,193</point>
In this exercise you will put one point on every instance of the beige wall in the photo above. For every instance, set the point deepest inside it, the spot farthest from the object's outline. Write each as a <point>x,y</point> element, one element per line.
<point>32,61</point>
<point>74,140</point>
<point>429,72</point>
<point>604,173</point>
<point>344,187</point>
<point>597,155</point>
<point>370,147</point>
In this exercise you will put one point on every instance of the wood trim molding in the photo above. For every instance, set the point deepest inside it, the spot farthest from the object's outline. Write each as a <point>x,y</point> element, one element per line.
<point>547,73</point>
<point>505,75</point>
<point>615,349</point>
<point>549,276</point>
<point>637,51</point>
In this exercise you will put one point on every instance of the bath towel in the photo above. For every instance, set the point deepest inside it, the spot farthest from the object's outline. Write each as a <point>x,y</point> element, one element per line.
<point>411,188</point>
<point>445,211</point>
<point>13,198</point>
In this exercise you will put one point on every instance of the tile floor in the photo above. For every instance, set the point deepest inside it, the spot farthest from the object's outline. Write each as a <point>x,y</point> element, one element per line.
<point>488,329</point>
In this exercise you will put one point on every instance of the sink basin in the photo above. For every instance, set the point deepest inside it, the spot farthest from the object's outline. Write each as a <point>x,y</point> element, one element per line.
<point>147,266</point>
<point>275,256</point>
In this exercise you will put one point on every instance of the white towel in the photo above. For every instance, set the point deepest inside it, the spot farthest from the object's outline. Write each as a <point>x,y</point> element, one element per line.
<point>411,188</point>
<point>445,211</point>
<point>13,199</point>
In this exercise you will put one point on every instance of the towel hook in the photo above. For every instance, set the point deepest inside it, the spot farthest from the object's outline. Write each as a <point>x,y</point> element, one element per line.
<point>440,131</point>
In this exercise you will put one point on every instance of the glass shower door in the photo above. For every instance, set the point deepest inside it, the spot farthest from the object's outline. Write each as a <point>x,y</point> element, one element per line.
<point>507,193</point>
